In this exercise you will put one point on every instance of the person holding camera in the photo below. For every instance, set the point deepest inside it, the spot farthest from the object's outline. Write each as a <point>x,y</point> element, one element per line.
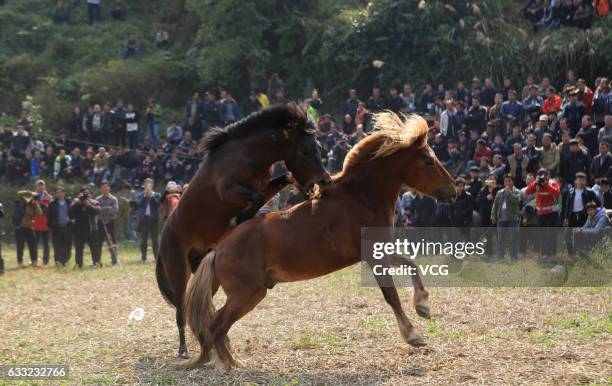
<point>40,224</point>
<point>84,213</point>
<point>109,207</point>
<point>59,223</point>
<point>547,193</point>
<point>148,204</point>
<point>506,214</point>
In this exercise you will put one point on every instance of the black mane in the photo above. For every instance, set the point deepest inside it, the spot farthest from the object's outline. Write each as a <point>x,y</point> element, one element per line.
<point>274,117</point>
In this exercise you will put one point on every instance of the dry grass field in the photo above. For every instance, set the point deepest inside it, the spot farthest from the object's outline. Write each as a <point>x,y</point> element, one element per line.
<point>325,331</point>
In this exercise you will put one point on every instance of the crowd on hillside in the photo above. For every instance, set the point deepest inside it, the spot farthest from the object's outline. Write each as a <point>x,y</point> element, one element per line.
<point>553,14</point>
<point>552,145</point>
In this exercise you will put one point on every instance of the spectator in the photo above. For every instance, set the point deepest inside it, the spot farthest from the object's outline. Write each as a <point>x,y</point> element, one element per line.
<point>574,206</point>
<point>119,11</point>
<point>25,209</point>
<point>131,49</point>
<point>40,223</point>
<point>252,105</point>
<point>162,38</point>
<point>423,210</point>
<point>351,104</point>
<point>119,130</point>
<point>174,134</point>
<point>602,102</point>
<point>394,102</point>
<point>62,164</point>
<point>573,111</point>
<point>84,214</point>
<point>533,104</point>
<point>408,99</point>
<point>505,213</point>
<point>462,208</point>
<point>605,133</point>
<point>487,95</point>
<point>109,207</point>
<point>148,203</point>
<point>228,110</point>
<point>59,224</point>
<point>512,110</point>
<point>552,103</point>
<point>550,157</point>
<point>547,192</point>
<point>476,116</point>
<point>576,162</point>
<point>153,115</point>
<point>427,99</point>
<point>591,233</point>
<point>602,163</point>
<point>60,13</point>
<point>94,11</point>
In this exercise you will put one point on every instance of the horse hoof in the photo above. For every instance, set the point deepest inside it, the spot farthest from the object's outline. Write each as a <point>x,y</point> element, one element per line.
<point>422,309</point>
<point>183,354</point>
<point>417,342</point>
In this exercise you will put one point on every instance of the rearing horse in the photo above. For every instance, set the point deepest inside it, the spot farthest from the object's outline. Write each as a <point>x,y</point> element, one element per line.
<point>319,236</point>
<point>230,186</point>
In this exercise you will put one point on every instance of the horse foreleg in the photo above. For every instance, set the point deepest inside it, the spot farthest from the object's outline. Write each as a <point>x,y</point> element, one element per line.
<point>392,298</point>
<point>421,296</point>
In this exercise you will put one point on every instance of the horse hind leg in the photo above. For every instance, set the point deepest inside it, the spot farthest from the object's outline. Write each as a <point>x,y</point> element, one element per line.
<point>237,305</point>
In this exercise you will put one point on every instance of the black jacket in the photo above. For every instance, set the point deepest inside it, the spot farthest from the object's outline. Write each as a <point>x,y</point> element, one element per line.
<point>53,214</point>
<point>461,210</point>
<point>600,169</point>
<point>85,218</point>
<point>568,201</point>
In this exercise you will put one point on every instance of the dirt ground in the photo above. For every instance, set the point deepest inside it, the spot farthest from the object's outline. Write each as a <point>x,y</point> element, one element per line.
<point>325,331</point>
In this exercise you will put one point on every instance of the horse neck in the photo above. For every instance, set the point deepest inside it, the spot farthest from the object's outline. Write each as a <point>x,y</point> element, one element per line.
<point>378,180</point>
<point>265,148</point>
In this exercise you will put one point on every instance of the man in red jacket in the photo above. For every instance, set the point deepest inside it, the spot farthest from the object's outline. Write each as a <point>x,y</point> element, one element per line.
<point>39,224</point>
<point>547,193</point>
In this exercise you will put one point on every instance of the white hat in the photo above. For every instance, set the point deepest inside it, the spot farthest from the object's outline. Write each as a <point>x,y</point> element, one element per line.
<point>544,117</point>
<point>171,186</point>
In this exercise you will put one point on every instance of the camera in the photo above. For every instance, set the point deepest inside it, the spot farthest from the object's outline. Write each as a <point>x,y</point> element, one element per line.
<point>541,178</point>
<point>83,196</point>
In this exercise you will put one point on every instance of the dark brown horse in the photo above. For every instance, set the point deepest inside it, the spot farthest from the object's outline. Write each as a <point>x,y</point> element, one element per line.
<point>230,186</point>
<point>319,236</point>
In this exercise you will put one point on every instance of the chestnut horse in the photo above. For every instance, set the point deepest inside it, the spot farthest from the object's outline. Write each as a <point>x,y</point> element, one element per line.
<point>319,236</point>
<point>230,186</point>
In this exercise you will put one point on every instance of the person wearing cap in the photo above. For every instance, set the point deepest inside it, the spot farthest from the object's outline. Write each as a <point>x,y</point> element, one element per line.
<point>593,230</point>
<point>573,111</point>
<point>170,198</point>
<point>577,161</point>
<point>25,209</point>
<point>60,227</point>
<point>40,224</point>
<point>574,202</point>
<point>550,157</point>
<point>547,192</point>
<point>109,207</point>
<point>83,213</point>
<point>602,163</point>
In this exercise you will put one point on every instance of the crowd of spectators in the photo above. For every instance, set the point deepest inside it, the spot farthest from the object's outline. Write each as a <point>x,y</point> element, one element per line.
<point>546,144</point>
<point>554,14</point>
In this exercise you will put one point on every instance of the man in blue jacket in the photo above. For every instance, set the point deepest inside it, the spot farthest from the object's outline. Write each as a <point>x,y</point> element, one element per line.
<point>594,229</point>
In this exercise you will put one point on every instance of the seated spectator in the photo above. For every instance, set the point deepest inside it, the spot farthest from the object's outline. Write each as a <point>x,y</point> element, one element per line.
<point>173,169</point>
<point>62,163</point>
<point>605,133</point>
<point>60,13</point>
<point>174,134</point>
<point>552,103</point>
<point>602,163</point>
<point>162,39</point>
<point>131,50</point>
<point>119,11</point>
<point>593,231</point>
<point>100,165</point>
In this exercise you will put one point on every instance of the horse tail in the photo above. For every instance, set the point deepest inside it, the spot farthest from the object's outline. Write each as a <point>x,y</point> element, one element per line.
<point>199,306</point>
<point>168,242</point>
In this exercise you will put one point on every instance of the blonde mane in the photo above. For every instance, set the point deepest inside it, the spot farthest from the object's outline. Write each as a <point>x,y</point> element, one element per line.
<point>393,132</point>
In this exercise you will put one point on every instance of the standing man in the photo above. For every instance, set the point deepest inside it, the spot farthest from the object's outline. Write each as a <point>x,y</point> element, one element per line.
<point>547,192</point>
<point>506,213</point>
<point>148,204</point>
<point>93,10</point>
<point>59,222</point>
<point>40,224</point>
<point>109,207</point>
<point>574,206</point>
<point>25,209</point>
<point>1,234</point>
<point>84,212</point>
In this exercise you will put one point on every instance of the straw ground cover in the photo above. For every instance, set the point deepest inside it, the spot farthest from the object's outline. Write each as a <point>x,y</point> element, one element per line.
<point>329,330</point>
